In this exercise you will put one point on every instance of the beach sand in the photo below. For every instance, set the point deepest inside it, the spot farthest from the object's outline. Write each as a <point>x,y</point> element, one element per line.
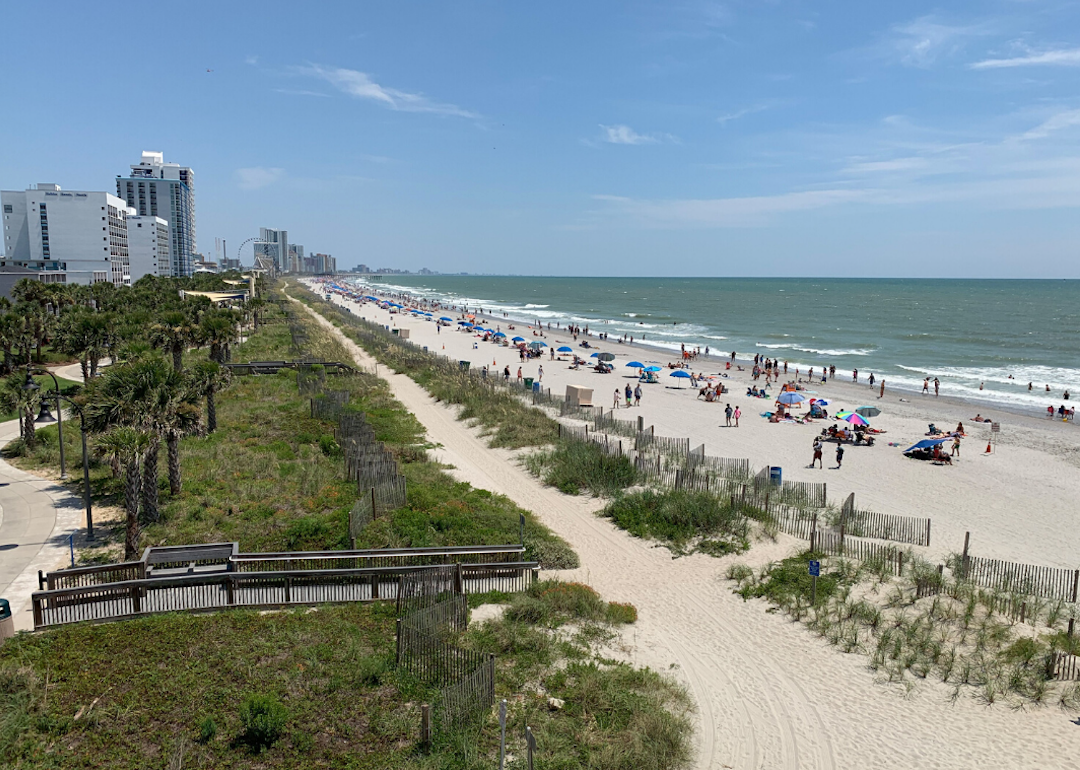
<point>771,694</point>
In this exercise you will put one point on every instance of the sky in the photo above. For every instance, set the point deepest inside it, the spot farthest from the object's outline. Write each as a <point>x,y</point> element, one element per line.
<point>750,137</point>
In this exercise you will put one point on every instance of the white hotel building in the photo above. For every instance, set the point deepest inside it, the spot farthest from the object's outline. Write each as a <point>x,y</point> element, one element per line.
<point>148,246</point>
<point>66,236</point>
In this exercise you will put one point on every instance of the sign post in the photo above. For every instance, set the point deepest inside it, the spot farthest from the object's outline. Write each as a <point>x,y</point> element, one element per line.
<point>815,571</point>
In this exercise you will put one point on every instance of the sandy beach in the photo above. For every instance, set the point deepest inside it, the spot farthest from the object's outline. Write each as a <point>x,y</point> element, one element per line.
<point>771,694</point>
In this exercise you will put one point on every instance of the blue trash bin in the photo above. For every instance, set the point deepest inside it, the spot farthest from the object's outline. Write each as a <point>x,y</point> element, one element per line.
<point>775,476</point>
<point>5,609</point>
<point>536,387</point>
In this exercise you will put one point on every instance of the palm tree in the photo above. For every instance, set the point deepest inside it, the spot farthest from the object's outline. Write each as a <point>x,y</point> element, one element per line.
<point>86,335</point>
<point>218,329</point>
<point>14,397</point>
<point>130,446</point>
<point>207,378</point>
<point>110,448</point>
<point>174,331</point>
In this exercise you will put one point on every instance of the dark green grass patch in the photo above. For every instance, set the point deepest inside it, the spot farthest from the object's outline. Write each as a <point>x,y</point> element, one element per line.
<point>682,520</point>
<point>576,466</point>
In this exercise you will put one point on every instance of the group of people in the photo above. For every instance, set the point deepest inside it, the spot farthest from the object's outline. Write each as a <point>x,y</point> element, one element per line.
<point>628,392</point>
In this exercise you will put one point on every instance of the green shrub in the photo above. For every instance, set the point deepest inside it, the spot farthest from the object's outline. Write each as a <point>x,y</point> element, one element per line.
<point>263,719</point>
<point>207,730</point>
<point>678,517</point>
<point>576,466</point>
<point>621,613</point>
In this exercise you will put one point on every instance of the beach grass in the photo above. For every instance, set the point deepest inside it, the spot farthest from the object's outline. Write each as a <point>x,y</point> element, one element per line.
<point>319,688</point>
<point>574,467</point>
<point>685,521</point>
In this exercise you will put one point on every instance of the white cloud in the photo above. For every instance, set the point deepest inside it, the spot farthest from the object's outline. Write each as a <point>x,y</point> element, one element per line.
<point>625,135</point>
<point>300,92</point>
<point>252,60</point>
<point>257,177</point>
<point>1067,57</point>
<point>920,43</point>
<point>723,120</point>
<point>1053,123</point>
<point>726,212</point>
<point>886,166</point>
<point>361,86</point>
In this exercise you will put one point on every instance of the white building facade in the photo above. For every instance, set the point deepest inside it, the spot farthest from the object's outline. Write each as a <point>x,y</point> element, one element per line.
<point>166,190</point>
<point>80,235</point>
<point>149,250</point>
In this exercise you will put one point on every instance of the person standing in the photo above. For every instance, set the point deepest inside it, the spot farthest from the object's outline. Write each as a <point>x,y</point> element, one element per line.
<point>506,373</point>
<point>956,446</point>
<point>637,395</point>
<point>937,386</point>
<point>817,454</point>
<point>727,416</point>
<point>737,414</point>
<point>882,393</point>
<point>839,455</point>
<point>519,374</point>
<point>926,386</point>
<point>871,379</point>
<point>615,404</point>
<point>540,377</point>
<point>629,394</point>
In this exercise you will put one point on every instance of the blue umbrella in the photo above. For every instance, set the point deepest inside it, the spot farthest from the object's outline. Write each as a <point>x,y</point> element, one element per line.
<point>517,339</point>
<point>463,323</point>
<point>636,365</point>
<point>444,318</point>
<point>595,355</point>
<point>498,334</point>
<point>791,397</point>
<point>680,374</point>
<point>566,349</point>
<point>653,369</point>
<point>926,443</point>
<point>537,344</point>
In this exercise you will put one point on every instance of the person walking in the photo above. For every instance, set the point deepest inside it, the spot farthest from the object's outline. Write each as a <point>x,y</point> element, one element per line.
<point>727,416</point>
<point>629,394</point>
<point>839,456</point>
<point>540,377</point>
<point>519,374</point>
<point>926,386</point>
<point>817,454</point>
<point>871,379</point>
<point>506,373</point>
<point>637,395</point>
<point>737,414</point>
<point>956,447</point>
<point>615,405</point>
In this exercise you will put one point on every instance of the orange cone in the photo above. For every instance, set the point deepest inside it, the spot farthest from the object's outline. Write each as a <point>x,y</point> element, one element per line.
<point>987,448</point>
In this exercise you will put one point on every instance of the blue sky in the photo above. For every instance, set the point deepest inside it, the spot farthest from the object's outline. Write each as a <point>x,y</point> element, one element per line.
<point>738,138</point>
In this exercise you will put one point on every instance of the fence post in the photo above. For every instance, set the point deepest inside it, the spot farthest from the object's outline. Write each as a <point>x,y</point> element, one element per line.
<point>397,643</point>
<point>841,539</point>
<point>229,597</point>
<point>425,726</point>
<point>813,534</point>
<point>1076,583</point>
<point>928,544</point>
<point>521,527</point>
<point>136,599</point>
<point>374,509</point>
<point>640,423</point>
<point>964,558</point>
<point>530,744</point>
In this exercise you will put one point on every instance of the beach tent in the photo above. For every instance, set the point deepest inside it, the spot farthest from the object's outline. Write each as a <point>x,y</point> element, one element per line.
<point>926,443</point>
<point>680,374</point>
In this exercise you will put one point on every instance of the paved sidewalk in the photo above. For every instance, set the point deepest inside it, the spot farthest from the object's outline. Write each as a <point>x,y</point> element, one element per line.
<point>36,518</point>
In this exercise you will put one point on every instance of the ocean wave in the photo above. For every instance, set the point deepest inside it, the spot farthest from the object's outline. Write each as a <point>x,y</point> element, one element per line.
<point>842,352</point>
<point>530,305</point>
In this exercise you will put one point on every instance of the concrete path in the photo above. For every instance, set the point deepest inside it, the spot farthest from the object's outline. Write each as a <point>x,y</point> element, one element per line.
<point>36,517</point>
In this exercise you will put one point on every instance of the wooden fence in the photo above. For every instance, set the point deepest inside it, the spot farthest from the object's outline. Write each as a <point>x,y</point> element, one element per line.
<point>1063,667</point>
<point>214,591</point>
<point>900,529</point>
<point>839,544</point>
<point>1029,579</point>
<point>466,678</point>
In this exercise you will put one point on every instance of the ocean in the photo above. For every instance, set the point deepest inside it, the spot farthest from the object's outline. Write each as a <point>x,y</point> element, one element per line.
<point>971,334</point>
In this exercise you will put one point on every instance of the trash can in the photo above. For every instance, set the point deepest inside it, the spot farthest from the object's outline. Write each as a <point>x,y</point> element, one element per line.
<point>528,383</point>
<point>775,477</point>
<point>536,387</point>
<point>394,331</point>
<point>7,623</point>
<point>464,365</point>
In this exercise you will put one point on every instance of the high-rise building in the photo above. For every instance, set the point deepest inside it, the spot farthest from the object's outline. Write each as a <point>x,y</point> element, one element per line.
<point>148,246</point>
<point>66,236</point>
<point>166,190</point>
<point>273,247</point>
<point>323,264</point>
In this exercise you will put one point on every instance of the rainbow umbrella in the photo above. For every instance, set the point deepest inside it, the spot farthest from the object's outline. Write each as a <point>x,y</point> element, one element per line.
<point>853,417</point>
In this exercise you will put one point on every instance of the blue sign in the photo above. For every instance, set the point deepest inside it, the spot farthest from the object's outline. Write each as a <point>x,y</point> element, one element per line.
<point>815,569</point>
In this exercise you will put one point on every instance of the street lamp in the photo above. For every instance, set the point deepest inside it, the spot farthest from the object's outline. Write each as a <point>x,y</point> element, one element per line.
<point>45,417</point>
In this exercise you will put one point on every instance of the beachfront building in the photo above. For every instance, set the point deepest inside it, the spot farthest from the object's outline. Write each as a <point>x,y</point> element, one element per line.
<point>66,236</point>
<point>149,251</point>
<point>272,249</point>
<point>321,264</point>
<point>296,258</point>
<point>166,190</point>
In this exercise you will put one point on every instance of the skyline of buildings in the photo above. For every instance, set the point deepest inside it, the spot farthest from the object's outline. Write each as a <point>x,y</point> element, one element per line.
<point>166,190</point>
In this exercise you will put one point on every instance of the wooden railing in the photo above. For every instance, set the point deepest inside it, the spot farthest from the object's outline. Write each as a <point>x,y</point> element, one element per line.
<point>223,590</point>
<point>382,557</point>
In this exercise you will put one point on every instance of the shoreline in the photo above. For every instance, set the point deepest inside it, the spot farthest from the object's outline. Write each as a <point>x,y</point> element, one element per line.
<point>984,407</point>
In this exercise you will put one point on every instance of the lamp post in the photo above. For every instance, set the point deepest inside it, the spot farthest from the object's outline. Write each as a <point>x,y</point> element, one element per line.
<point>45,417</point>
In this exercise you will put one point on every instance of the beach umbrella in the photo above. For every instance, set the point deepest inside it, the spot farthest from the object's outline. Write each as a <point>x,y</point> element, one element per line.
<point>854,418</point>
<point>790,398</point>
<point>537,344</point>
<point>868,411</point>
<point>653,369</point>
<point>926,443</point>
<point>566,349</point>
<point>636,365</point>
<point>498,334</point>
<point>517,339</point>
<point>820,401</point>
<point>444,318</point>
<point>463,323</point>
<point>606,356</point>
<point>680,374</point>
<point>595,355</point>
